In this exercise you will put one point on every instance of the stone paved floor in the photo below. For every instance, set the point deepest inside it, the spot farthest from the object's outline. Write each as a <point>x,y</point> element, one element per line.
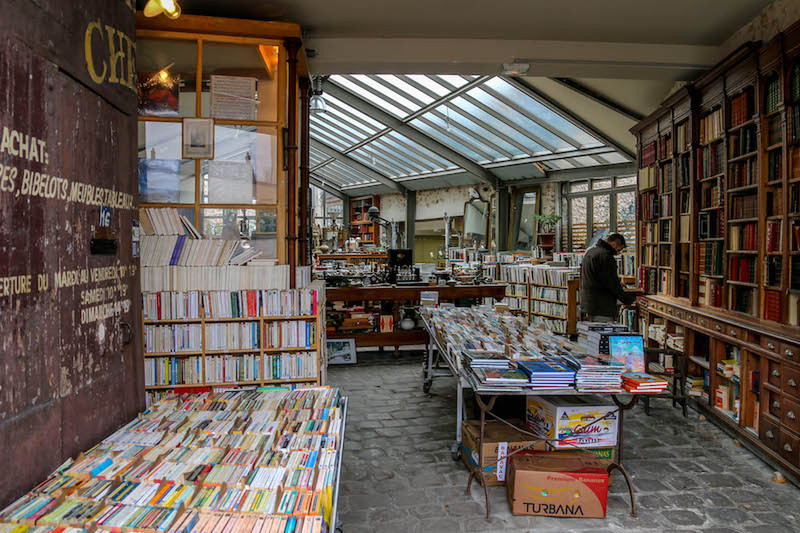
<point>398,474</point>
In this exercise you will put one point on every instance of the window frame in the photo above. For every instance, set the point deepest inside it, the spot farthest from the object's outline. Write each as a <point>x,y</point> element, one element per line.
<point>567,196</point>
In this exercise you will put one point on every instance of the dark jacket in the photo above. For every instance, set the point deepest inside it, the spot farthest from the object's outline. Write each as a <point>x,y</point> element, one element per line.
<point>600,284</point>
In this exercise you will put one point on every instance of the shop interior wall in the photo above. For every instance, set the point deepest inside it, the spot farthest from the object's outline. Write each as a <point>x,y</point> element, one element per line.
<point>68,376</point>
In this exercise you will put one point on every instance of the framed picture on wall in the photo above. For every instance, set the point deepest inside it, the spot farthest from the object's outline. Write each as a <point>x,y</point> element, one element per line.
<point>198,138</point>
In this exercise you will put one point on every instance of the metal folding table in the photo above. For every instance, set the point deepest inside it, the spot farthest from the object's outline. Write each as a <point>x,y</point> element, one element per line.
<point>436,354</point>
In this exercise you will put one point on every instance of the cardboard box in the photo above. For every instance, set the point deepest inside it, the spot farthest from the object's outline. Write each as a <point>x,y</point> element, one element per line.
<point>566,417</point>
<point>497,437</point>
<point>561,484</point>
<point>608,453</point>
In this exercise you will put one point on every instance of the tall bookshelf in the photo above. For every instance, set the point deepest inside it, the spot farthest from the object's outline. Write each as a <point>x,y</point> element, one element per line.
<point>251,320</point>
<point>361,226</point>
<point>741,318</point>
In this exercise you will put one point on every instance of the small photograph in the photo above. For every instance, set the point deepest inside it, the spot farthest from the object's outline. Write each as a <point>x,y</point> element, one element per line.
<point>198,138</point>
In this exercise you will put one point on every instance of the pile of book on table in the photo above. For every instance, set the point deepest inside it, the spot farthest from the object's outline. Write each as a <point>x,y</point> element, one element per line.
<point>244,460</point>
<point>639,382</point>
<point>597,373</point>
<point>503,354</point>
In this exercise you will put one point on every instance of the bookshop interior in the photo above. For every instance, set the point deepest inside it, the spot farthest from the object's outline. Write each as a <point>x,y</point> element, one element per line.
<point>414,267</point>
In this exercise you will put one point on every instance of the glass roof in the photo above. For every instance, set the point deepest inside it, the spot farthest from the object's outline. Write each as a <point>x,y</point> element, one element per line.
<point>488,120</point>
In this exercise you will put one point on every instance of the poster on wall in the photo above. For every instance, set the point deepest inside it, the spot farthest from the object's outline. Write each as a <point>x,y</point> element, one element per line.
<point>158,94</point>
<point>233,97</point>
<point>341,351</point>
<point>160,180</point>
<point>230,182</point>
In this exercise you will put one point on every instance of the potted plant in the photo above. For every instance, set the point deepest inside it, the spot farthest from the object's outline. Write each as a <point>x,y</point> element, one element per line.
<point>547,223</point>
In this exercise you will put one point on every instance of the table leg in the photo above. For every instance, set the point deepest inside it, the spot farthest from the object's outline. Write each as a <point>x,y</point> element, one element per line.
<point>455,449</point>
<point>485,408</point>
<point>620,426</point>
<point>428,378</point>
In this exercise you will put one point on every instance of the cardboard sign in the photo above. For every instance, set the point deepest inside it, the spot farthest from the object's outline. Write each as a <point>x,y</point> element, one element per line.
<point>562,484</point>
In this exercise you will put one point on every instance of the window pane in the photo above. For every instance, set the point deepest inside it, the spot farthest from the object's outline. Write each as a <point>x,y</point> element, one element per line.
<point>579,187</point>
<point>626,218</point>
<point>525,218</point>
<point>624,182</point>
<point>544,114</point>
<point>166,70</point>
<point>163,176</point>
<point>256,228</point>
<point>601,215</point>
<point>243,170</point>
<point>240,81</point>
<point>578,223</point>
<point>601,184</point>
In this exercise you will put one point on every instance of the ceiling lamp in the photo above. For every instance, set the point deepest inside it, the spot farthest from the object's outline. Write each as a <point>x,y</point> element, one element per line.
<point>516,69</point>
<point>169,8</point>
<point>317,104</point>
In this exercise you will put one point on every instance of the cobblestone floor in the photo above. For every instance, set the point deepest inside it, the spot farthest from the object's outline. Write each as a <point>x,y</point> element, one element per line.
<point>398,474</point>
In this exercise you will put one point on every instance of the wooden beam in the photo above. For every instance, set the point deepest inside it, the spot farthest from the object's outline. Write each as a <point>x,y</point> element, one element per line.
<point>269,55</point>
<point>220,26</point>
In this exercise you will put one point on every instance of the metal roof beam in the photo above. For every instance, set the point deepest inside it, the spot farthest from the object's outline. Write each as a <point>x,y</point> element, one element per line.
<point>327,188</point>
<point>357,165</point>
<point>606,171</point>
<point>601,99</point>
<point>569,115</point>
<point>412,133</point>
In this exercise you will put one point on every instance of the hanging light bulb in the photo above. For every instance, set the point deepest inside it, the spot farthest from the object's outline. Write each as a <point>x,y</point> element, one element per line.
<point>169,8</point>
<point>317,104</point>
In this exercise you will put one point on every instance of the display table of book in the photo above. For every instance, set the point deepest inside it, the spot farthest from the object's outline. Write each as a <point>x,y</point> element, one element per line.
<point>498,354</point>
<point>258,460</point>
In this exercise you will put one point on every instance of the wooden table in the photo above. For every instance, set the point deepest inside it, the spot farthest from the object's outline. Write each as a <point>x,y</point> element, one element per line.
<point>403,293</point>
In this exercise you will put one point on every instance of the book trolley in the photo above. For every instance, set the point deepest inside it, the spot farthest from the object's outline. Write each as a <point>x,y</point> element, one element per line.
<point>236,460</point>
<point>442,361</point>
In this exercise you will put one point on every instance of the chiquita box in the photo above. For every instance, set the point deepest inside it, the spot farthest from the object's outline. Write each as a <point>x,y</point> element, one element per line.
<point>567,417</point>
<point>562,484</point>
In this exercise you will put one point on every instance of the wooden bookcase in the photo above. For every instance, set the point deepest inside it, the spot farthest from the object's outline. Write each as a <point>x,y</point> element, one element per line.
<point>744,241</point>
<point>568,297</point>
<point>360,223</point>
<point>262,352</point>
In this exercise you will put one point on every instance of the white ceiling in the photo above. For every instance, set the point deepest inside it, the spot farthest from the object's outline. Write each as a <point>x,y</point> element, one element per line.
<point>630,39</point>
<point>703,22</point>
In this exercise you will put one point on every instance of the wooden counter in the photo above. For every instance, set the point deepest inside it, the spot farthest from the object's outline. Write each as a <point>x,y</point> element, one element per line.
<point>397,295</point>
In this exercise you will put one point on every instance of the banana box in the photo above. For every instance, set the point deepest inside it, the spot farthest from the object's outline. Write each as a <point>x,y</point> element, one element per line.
<point>562,484</point>
<point>570,421</point>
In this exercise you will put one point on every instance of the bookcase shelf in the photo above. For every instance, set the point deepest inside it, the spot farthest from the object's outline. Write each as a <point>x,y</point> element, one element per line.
<point>262,355</point>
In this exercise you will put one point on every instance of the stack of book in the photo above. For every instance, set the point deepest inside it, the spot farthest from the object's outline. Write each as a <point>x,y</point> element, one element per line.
<point>594,335</point>
<point>639,382</point>
<point>548,374</point>
<point>597,373</point>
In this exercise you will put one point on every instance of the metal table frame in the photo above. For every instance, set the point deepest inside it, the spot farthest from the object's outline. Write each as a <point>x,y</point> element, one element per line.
<point>433,369</point>
<point>333,526</point>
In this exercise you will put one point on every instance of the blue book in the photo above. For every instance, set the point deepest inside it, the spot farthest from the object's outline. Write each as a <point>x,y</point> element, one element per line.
<point>176,252</point>
<point>545,369</point>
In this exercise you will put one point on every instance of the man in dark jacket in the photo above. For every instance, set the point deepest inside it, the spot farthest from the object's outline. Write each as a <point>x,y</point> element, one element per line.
<point>600,284</point>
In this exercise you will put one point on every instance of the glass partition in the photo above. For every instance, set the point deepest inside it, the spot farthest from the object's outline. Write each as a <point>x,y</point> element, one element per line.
<point>234,195</point>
